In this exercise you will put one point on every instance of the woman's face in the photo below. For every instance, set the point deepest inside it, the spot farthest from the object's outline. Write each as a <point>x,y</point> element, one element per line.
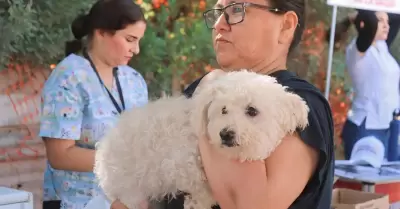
<point>256,41</point>
<point>120,47</point>
<point>383,26</point>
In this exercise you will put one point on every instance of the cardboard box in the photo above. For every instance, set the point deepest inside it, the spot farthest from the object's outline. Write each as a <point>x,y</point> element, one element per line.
<point>352,199</point>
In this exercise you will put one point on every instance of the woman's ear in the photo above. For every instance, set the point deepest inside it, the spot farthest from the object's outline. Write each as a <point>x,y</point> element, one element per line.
<point>295,114</point>
<point>289,24</point>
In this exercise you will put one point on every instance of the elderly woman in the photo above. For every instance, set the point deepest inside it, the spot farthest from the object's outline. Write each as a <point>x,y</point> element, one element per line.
<point>258,35</point>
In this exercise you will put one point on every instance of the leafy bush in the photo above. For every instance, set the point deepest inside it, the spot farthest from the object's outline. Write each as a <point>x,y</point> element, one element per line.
<point>176,43</point>
<point>177,46</point>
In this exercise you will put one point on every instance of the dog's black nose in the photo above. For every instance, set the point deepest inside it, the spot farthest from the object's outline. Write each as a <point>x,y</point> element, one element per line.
<point>227,137</point>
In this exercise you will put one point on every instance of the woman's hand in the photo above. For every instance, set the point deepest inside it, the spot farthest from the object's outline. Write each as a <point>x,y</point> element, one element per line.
<point>119,205</point>
<point>233,184</point>
<point>273,183</point>
<point>230,179</point>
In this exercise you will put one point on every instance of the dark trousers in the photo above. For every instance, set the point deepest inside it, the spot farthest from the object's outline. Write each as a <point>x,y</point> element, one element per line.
<point>174,203</point>
<point>178,203</point>
<point>53,204</point>
<point>351,133</point>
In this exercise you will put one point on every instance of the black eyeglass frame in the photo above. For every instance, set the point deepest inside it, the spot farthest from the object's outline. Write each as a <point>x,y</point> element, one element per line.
<point>244,5</point>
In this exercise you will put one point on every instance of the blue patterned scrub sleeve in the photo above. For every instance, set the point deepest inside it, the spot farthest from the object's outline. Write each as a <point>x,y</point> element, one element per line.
<point>62,108</point>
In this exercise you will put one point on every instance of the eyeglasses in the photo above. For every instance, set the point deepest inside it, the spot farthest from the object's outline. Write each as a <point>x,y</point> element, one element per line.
<point>234,13</point>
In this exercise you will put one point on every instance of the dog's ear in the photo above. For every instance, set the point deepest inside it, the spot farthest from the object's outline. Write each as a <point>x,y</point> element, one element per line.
<point>298,112</point>
<point>202,98</point>
<point>199,116</point>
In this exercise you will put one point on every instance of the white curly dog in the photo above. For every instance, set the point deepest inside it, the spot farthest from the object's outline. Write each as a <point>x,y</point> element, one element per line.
<point>153,150</point>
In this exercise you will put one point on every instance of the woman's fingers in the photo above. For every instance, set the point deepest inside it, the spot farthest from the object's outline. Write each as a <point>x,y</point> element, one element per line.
<point>119,205</point>
<point>144,205</point>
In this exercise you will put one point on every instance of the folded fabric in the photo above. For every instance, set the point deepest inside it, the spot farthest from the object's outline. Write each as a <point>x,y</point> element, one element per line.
<point>368,151</point>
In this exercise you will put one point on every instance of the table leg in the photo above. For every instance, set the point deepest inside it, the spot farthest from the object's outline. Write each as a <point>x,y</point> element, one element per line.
<point>367,187</point>
<point>364,187</point>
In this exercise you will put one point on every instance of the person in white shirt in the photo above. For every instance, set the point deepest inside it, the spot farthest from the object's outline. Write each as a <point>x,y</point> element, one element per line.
<point>375,77</point>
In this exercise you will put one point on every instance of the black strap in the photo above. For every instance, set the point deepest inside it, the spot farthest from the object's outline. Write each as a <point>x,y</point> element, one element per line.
<point>115,74</point>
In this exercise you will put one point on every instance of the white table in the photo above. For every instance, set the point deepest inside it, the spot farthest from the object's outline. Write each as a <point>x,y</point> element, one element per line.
<point>15,199</point>
<point>368,177</point>
<point>367,185</point>
<point>395,205</point>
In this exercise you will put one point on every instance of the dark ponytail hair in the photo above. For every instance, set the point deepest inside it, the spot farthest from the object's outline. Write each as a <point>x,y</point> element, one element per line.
<point>79,28</point>
<point>298,7</point>
<point>106,15</point>
<point>366,34</point>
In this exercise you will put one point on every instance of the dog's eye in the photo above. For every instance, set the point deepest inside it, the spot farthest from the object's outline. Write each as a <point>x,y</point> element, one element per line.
<point>224,111</point>
<point>251,111</point>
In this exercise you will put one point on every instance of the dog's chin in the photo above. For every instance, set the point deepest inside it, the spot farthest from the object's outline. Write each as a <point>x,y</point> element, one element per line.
<point>232,151</point>
<point>240,152</point>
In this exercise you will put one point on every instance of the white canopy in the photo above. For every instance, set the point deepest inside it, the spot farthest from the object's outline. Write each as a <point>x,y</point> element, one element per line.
<point>391,6</point>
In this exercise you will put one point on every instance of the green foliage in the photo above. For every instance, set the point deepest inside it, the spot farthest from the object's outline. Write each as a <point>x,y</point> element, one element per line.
<point>318,12</point>
<point>15,21</point>
<point>176,41</point>
<point>35,32</point>
<point>172,44</point>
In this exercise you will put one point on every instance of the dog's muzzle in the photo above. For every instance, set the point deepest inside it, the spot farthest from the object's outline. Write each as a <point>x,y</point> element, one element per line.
<point>228,137</point>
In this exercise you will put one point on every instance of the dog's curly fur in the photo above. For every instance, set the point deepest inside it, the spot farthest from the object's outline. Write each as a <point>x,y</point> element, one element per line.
<point>153,150</point>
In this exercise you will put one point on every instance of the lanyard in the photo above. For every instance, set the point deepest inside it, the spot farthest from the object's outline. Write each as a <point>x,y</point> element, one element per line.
<point>115,75</point>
